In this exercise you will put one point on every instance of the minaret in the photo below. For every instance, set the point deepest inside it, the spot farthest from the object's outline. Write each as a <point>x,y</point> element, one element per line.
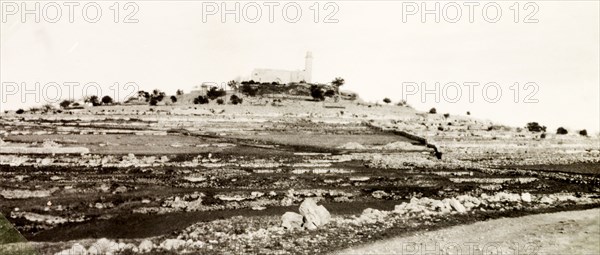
<point>308,67</point>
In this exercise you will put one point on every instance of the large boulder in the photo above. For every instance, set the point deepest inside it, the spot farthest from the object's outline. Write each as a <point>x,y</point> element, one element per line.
<point>314,215</point>
<point>291,220</point>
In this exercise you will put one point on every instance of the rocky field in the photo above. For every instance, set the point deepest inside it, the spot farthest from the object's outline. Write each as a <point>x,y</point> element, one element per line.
<point>290,178</point>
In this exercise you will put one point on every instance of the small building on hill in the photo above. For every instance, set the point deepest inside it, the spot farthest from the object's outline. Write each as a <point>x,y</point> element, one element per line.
<point>285,76</point>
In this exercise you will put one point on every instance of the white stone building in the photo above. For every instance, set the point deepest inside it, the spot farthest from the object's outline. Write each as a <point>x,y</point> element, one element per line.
<point>285,76</point>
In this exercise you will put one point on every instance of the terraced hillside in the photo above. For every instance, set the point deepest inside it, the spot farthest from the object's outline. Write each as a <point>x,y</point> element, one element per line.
<point>216,179</point>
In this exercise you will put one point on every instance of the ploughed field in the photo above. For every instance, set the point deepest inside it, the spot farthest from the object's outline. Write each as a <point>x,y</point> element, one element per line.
<point>219,183</point>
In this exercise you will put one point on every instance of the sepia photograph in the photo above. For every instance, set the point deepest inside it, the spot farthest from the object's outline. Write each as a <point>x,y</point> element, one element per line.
<point>350,127</point>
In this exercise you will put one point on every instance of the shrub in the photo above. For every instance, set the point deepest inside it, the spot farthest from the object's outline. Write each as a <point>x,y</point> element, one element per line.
<point>583,132</point>
<point>179,92</point>
<point>220,101</point>
<point>107,100</point>
<point>387,100</point>
<point>432,111</point>
<point>65,103</point>
<point>174,99</point>
<point>248,89</point>
<point>329,93</point>
<point>234,99</point>
<point>535,127</point>
<point>561,131</point>
<point>153,101</point>
<point>543,135</point>
<point>402,103</point>
<point>468,113</point>
<point>317,93</point>
<point>215,93</point>
<point>47,107</point>
<point>446,115</point>
<point>20,111</point>
<point>201,100</point>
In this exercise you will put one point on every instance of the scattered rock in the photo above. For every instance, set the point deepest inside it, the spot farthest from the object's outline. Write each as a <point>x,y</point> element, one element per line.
<point>526,197</point>
<point>172,244</point>
<point>145,246</point>
<point>76,249</point>
<point>352,146</point>
<point>314,215</point>
<point>292,220</point>
<point>457,206</point>
<point>103,246</point>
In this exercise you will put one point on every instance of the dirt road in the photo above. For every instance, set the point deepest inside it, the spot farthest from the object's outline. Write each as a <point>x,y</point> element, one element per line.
<point>575,232</point>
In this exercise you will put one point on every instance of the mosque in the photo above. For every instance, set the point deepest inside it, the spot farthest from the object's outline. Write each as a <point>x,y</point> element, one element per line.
<point>285,76</point>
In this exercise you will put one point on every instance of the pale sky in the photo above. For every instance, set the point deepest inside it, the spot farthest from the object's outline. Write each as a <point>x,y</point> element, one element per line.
<point>172,48</point>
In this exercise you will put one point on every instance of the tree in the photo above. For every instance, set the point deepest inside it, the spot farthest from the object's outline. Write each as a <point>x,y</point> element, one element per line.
<point>561,131</point>
<point>65,103</point>
<point>144,94</point>
<point>20,111</point>
<point>583,132</point>
<point>107,100</point>
<point>173,99</point>
<point>233,85</point>
<point>220,101</point>
<point>535,127</point>
<point>432,111</point>
<point>92,100</point>
<point>248,90</point>
<point>338,82</point>
<point>179,92</point>
<point>317,93</point>
<point>201,100</point>
<point>215,93</point>
<point>387,100</point>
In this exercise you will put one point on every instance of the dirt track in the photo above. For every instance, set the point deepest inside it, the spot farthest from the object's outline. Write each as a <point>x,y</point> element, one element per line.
<point>574,232</point>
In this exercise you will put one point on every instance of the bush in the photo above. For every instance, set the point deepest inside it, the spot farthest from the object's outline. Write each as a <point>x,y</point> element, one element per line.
<point>317,93</point>
<point>543,135</point>
<point>330,93</point>
<point>387,100</point>
<point>173,99</point>
<point>535,127</point>
<point>446,115</point>
<point>432,111</point>
<point>107,100</point>
<point>248,89</point>
<point>561,131</point>
<point>234,99</point>
<point>65,103</point>
<point>220,101</point>
<point>468,113</point>
<point>179,92</point>
<point>201,100</point>
<point>153,101</point>
<point>583,132</point>
<point>402,103</point>
<point>215,93</point>
<point>20,111</point>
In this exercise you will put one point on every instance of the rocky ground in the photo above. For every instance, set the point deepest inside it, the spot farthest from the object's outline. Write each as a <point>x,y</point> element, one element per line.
<point>291,178</point>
